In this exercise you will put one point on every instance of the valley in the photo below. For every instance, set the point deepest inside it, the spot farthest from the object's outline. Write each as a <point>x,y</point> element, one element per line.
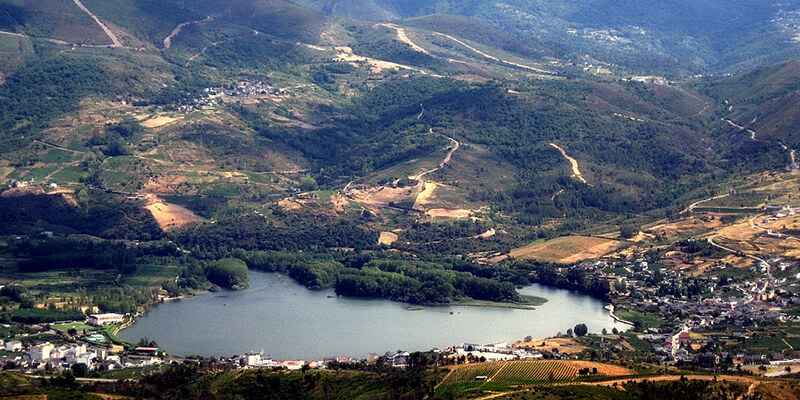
<point>424,164</point>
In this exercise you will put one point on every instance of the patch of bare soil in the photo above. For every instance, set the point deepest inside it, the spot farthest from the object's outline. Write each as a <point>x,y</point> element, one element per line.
<point>171,216</point>
<point>157,122</point>
<point>387,238</point>
<point>445,213</point>
<point>564,346</point>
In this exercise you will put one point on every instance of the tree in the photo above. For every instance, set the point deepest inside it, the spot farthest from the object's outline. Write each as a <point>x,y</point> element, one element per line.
<point>581,329</point>
<point>628,231</point>
<point>308,183</point>
<point>80,370</point>
<point>614,330</point>
<point>569,332</point>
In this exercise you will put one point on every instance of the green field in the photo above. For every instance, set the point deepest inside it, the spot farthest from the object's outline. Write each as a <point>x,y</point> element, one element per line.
<point>79,326</point>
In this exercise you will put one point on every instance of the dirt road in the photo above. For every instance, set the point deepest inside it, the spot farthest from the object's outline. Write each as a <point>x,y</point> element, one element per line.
<point>756,139</point>
<point>177,30</point>
<point>428,190</point>
<point>403,37</point>
<point>446,160</point>
<point>761,261</point>
<point>102,26</point>
<point>576,172</point>
<point>493,58</point>
<point>697,203</point>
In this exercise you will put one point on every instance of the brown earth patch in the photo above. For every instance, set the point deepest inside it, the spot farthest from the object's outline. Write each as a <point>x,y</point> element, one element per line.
<point>445,213</point>
<point>567,249</point>
<point>171,216</point>
<point>565,346</point>
<point>158,122</point>
<point>382,196</point>
<point>290,203</point>
<point>603,369</point>
<point>387,238</point>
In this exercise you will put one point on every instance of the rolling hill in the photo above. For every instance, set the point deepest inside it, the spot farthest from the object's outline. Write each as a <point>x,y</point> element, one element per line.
<point>263,126</point>
<point>670,37</point>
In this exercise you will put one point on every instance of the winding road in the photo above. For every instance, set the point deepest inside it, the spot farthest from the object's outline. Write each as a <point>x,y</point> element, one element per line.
<point>177,30</point>
<point>697,203</point>
<point>403,37</point>
<point>761,261</point>
<point>754,138</point>
<point>446,160</point>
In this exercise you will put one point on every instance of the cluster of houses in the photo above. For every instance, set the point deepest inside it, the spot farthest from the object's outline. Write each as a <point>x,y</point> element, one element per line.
<point>48,356</point>
<point>212,97</point>
<point>400,359</point>
<point>257,360</point>
<point>32,183</point>
<point>95,355</point>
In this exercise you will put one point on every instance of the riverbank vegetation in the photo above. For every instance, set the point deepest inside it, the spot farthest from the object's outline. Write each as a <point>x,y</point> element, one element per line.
<point>230,273</point>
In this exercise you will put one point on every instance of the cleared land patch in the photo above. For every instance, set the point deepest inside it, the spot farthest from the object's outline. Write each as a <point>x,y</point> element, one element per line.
<point>158,122</point>
<point>387,238</point>
<point>444,213</point>
<point>564,346</point>
<point>171,216</point>
<point>567,249</point>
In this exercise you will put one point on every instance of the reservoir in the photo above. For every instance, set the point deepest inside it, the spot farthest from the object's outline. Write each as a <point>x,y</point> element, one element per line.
<point>287,321</point>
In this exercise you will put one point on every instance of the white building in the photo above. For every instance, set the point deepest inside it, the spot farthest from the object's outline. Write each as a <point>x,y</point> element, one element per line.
<point>75,352</point>
<point>41,352</point>
<point>252,359</point>
<point>13,345</point>
<point>105,319</point>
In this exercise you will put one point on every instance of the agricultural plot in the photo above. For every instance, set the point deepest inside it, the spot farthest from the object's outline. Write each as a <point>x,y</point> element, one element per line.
<point>536,371</point>
<point>531,372</point>
<point>567,249</point>
<point>468,373</point>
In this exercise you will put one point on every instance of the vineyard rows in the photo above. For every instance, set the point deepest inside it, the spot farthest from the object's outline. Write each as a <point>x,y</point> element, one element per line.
<point>515,371</point>
<point>525,371</point>
<point>468,374</point>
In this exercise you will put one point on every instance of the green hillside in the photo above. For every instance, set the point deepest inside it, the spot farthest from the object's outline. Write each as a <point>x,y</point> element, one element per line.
<point>668,37</point>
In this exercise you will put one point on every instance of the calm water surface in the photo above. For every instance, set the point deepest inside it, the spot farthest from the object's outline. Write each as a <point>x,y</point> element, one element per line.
<point>288,321</point>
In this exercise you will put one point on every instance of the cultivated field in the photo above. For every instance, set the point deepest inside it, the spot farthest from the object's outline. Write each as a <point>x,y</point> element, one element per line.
<point>530,372</point>
<point>567,249</point>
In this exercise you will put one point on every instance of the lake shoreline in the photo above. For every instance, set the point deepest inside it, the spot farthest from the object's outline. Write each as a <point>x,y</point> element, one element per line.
<point>286,319</point>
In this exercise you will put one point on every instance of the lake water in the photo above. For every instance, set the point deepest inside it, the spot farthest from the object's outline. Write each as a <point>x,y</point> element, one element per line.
<point>288,321</point>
